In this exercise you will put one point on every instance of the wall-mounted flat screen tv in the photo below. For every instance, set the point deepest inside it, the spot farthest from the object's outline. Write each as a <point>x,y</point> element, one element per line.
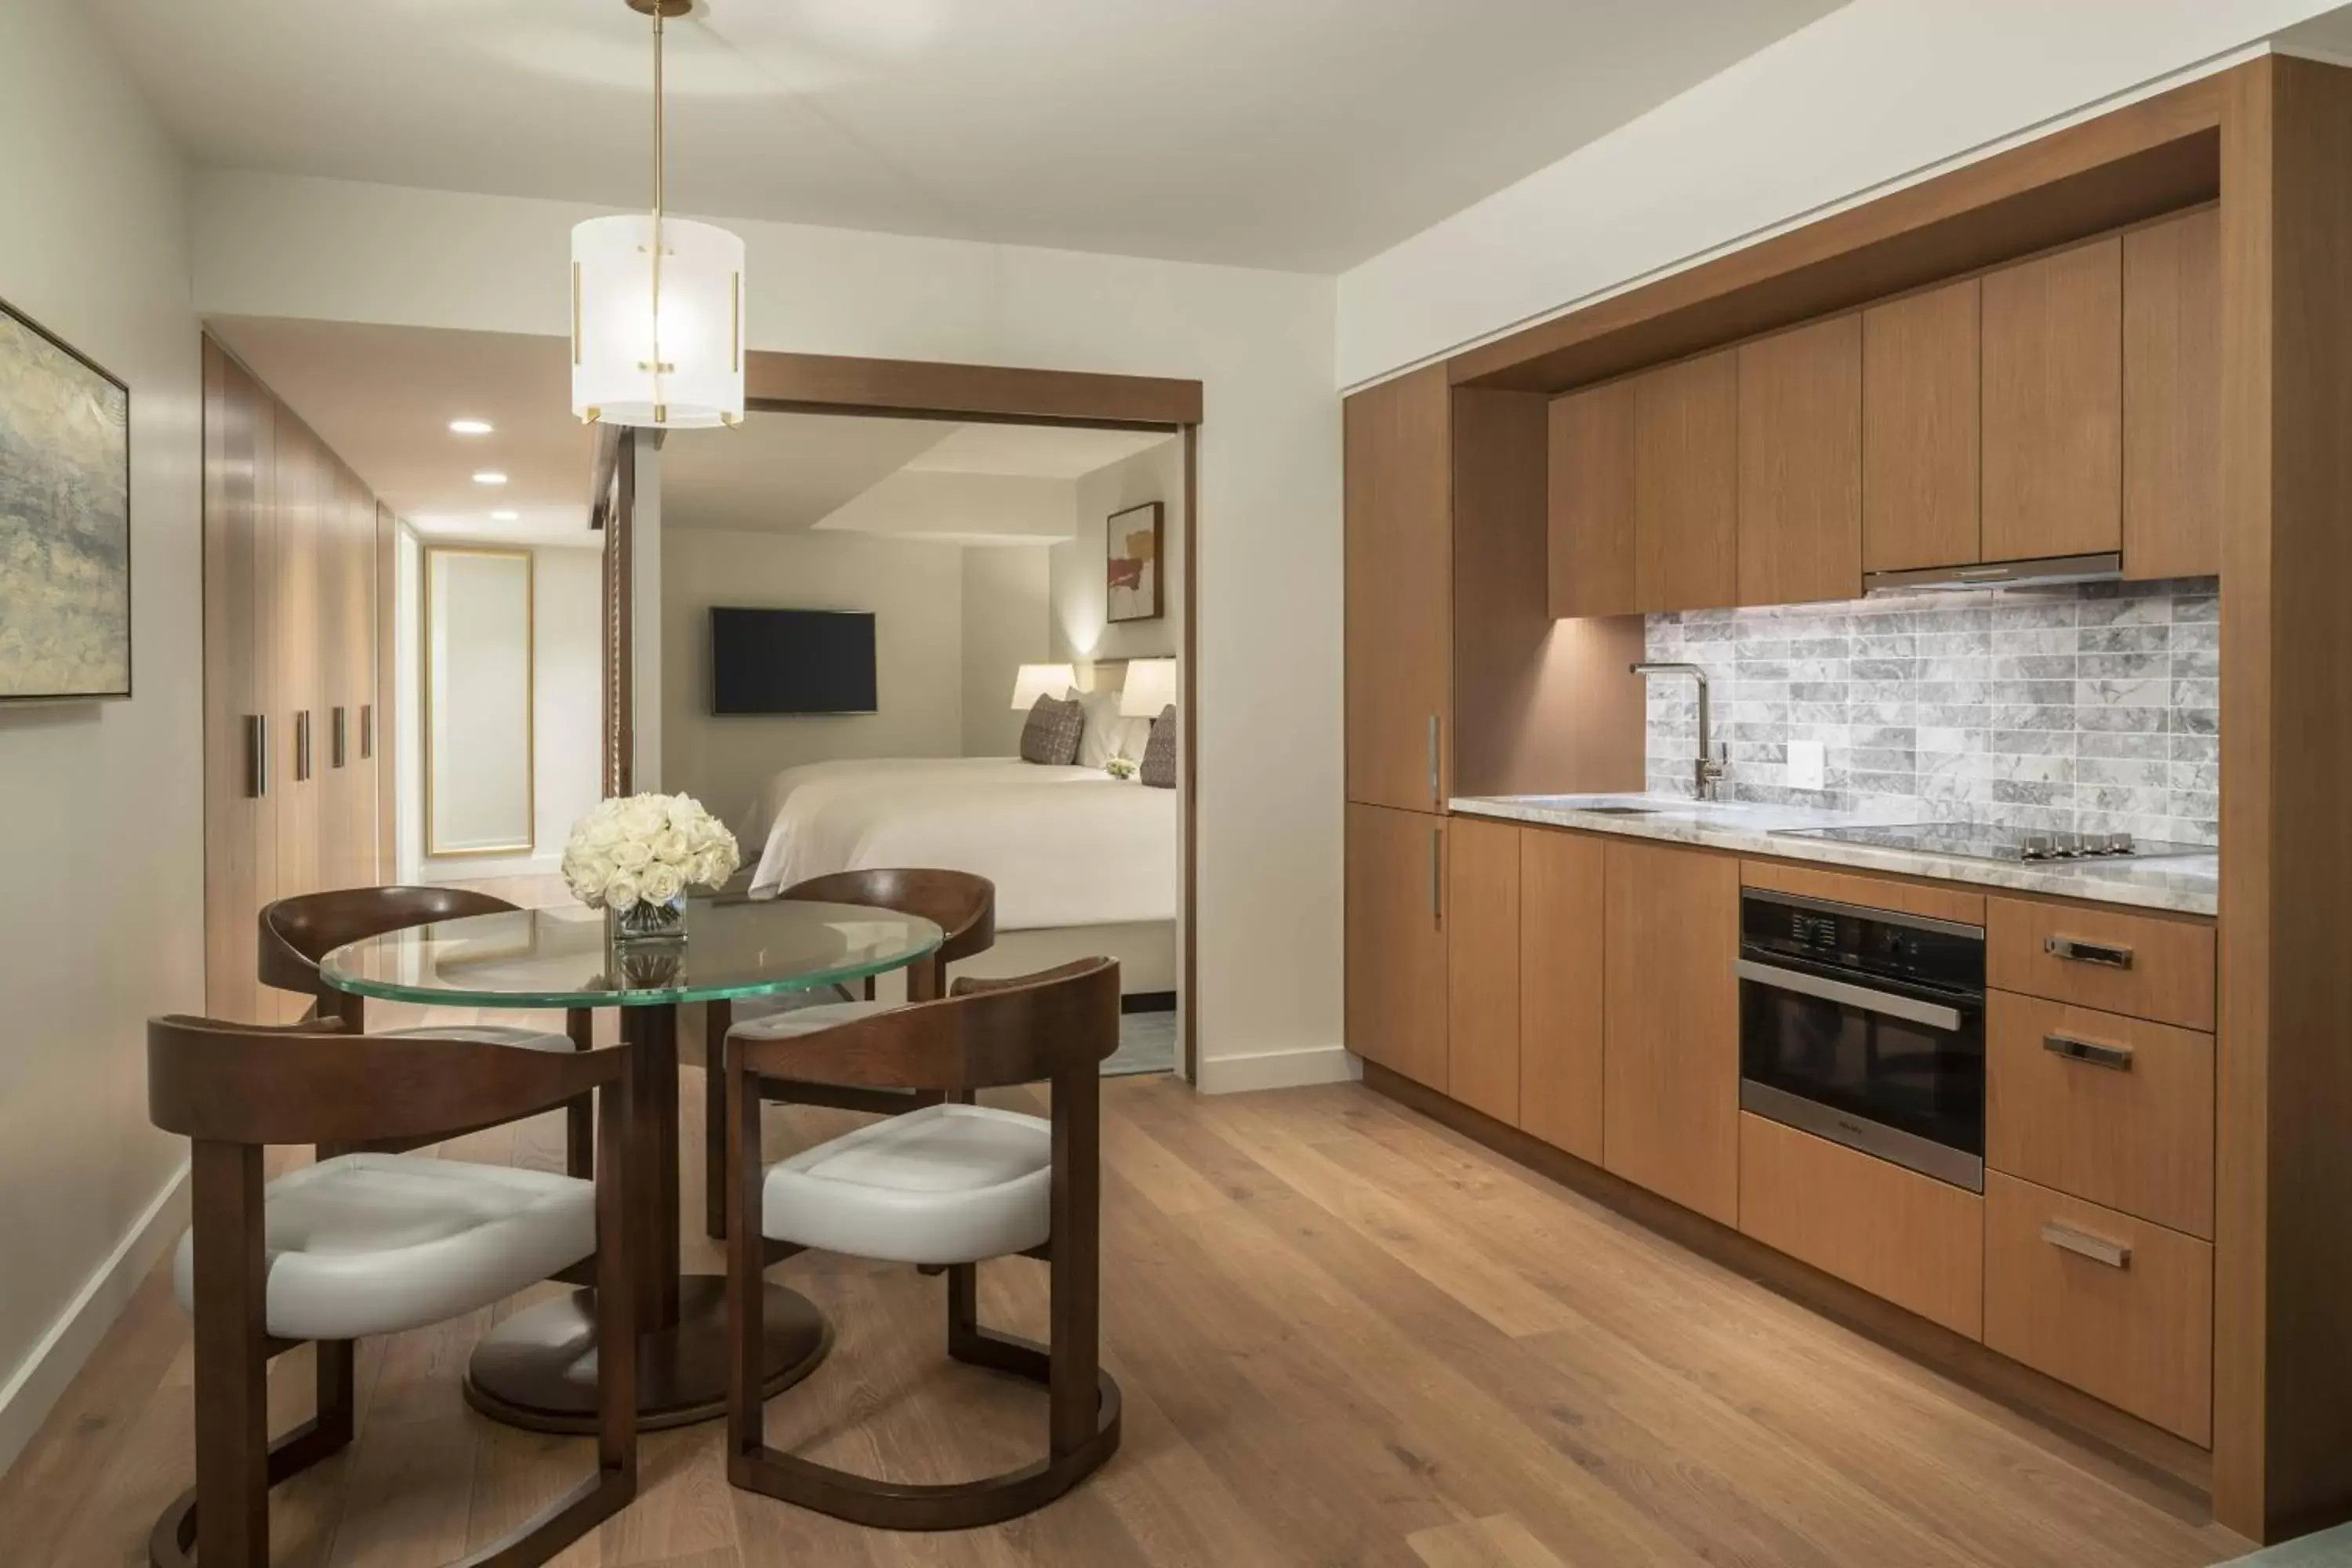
<point>792,661</point>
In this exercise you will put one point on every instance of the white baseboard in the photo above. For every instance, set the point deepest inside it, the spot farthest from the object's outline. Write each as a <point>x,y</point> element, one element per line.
<point>1278,1069</point>
<point>34,1388</point>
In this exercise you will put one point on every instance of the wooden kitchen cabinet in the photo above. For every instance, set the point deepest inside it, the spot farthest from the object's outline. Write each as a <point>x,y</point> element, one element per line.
<point>1400,585</point>
<point>2172,398</point>
<point>1591,503</point>
<point>1686,484</point>
<point>1800,465</point>
<point>1395,941</point>
<point>1921,430</point>
<point>1482,966</point>
<point>2052,344</point>
<point>1561,916</point>
<point>1671,1094</point>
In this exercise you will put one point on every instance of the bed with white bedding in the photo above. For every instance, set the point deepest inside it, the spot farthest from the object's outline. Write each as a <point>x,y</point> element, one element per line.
<point>1064,845</point>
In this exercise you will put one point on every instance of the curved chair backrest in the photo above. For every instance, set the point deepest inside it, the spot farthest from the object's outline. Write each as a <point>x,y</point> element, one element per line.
<point>316,1083</point>
<point>960,903</point>
<point>297,932</point>
<point>1059,1024</point>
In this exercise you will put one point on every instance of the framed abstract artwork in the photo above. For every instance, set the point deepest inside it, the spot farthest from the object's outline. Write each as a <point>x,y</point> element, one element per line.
<point>65,521</point>
<point>1132,542</point>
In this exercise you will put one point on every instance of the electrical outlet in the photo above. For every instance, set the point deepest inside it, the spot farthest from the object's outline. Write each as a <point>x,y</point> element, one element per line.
<point>1808,764</point>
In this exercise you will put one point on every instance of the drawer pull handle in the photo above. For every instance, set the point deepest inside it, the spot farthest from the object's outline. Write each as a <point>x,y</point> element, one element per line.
<point>2090,1053</point>
<point>2082,1244</point>
<point>2100,954</point>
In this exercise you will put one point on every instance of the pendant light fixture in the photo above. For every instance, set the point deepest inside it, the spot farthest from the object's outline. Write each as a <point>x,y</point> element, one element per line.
<point>657,305</point>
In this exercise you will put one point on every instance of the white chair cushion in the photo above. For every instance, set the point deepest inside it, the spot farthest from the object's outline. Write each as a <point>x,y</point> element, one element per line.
<point>487,1035</point>
<point>798,1021</point>
<point>948,1184</point>
<point>377,1244</point>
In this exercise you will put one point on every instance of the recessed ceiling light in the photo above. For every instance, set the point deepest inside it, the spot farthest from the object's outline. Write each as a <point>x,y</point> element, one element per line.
<point>504,516</point>
<point>469,427</point>
<point>489,477</point>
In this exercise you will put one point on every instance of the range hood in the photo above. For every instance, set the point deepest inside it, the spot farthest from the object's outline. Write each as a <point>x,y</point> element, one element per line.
<point>2043,573</point>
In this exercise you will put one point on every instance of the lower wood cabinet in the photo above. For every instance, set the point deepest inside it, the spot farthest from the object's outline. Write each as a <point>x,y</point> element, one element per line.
<point>1562,902</point>
<point>1482,1023</point>
<point>1671,1098</point>
<point>1917,1241</point>
<point>1396,960</point>
<point>2142,965</point>
<point>2118,1307</point>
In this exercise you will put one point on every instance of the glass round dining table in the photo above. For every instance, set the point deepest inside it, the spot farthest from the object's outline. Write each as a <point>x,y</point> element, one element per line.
<point>537,1369</point>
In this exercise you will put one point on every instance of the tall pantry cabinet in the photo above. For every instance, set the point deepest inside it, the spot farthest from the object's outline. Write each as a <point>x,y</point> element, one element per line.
<point>293,738</point>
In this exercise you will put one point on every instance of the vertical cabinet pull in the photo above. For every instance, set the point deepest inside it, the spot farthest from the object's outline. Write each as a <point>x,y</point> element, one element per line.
<point>2100,954</point>
<point>2090,1053</point>
<point>338,732</point>
<point>367,730</point>
<point>1437,877</point>
<point>303,746</point>
<point>2082,1244</point>
<point>1437,779</point>
<point>256,755</point>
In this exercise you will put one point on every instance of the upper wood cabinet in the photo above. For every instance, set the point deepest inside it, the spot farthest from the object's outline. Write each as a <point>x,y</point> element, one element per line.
<point>1561,876</point>
<point>1671,1100</point>
<point>1590,474</point>
<point>2172,398</point>
<point>1800,465</point>
<point>1482,941</point>
<point>1686,484</point>
<point>1399,586</point>
<point>1920,428</point>
<point>1395,939</point>
<point>2053,404</point>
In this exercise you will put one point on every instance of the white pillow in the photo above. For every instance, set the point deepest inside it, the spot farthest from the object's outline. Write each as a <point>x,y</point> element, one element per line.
<point>1106,735</point>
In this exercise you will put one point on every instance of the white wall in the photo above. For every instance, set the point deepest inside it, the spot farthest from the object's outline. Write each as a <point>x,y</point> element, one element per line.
<point>1007,623</point>
<point>103,830</point>
<point>915,591</point>
<point>1871,96</point>
<point>1261,342</point>
<point>961,509</point>
<point>1079,582</point>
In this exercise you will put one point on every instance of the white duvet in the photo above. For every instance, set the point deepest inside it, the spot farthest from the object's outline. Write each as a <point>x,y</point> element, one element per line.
<point>1065,847</point>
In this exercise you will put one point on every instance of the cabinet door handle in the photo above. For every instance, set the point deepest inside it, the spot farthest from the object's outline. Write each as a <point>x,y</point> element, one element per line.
<point>303,746</point>
<point>2078,952</point>
<point>2090,1053</point>
<point>367,730</point>
<point>338,735</point>
<point>2082,1244</point>
<point>1436,780</point>
<point>256,755</point>
<point>1437,877</point>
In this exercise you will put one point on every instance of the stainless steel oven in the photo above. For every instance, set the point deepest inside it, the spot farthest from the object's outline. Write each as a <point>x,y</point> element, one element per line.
<point>1867,1027</point>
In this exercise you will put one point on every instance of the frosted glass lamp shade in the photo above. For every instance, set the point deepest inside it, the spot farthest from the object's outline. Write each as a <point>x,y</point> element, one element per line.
<point>1150,686</point>
<point>1037,680</point>
<point>698,380</point>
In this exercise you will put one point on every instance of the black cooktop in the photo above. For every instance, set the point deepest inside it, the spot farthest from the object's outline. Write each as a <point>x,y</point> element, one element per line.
<point>1979,841</point>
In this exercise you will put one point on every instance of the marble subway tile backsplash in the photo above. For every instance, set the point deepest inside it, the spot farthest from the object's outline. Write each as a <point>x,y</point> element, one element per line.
<point>2085,709</point>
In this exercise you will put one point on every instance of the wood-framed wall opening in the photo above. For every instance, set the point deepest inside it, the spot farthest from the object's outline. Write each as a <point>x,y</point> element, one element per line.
<point>777,383</point>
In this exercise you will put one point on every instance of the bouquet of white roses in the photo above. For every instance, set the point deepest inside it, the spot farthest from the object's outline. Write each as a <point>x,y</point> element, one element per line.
<point>647,848</point>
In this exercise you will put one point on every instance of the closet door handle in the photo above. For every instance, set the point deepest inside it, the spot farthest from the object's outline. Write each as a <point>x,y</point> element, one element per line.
<point>1436,781</point>
<point>2092,1053</point>
<point>1437,877</point>
<point>2082,1244</point>
<point>338,735</point>
<point>367,730</point>
<point>303,746</point>
<point>256,755</point>
<point>2077,951</point>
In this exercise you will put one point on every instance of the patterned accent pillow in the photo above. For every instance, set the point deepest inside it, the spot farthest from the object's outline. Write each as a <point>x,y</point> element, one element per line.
<point>1160,751</point>
<point>1052,733</point>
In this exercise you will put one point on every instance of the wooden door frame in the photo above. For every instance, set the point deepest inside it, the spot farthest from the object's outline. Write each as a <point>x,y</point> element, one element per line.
<point>777,383</point>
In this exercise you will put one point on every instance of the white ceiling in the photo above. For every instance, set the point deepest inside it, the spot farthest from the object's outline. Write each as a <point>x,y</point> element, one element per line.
<point>1291,133</point>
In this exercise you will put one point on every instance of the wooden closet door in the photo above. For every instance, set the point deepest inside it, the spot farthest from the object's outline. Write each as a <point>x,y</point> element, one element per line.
<point>240,824</point>
<point>1921,427</point>
<point>1686,484</point>
<point>1399,592</point>
<point>2053,382</point>
<point>2172,398</point>
<point>1800,457</point>
<point>296,674</point>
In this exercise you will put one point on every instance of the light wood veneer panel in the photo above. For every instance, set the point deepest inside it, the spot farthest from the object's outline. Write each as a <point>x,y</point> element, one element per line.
<point>1561,919</point>
<point>1871,893</point>
<point>1400,591</point>
<point>2170,978</point>
<point>1591,505</point>
<point>1482,944</point>
<point>1396,992</point>
<point>2172,398</point>
<point>1686,484</point>
<point>1921,424</point>
<point>1800,462</point>
<point>2052,333</point>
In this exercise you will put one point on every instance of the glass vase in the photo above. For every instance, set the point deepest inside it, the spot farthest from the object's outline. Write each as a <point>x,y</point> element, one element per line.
<point>645,921</point>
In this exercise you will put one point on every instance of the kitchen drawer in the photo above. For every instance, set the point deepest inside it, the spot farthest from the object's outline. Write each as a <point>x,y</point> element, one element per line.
<point>2119,1308</point>
<point>2119,1110</point>
<point>2142,965</point>
<point>1917,1241</point>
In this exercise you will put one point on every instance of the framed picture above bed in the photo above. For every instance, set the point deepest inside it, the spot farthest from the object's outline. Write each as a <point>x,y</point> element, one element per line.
<point>65,521</point>
<point>1132,542</point>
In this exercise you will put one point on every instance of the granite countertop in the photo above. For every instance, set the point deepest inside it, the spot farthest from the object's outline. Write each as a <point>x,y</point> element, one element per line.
<point>2187,884</point>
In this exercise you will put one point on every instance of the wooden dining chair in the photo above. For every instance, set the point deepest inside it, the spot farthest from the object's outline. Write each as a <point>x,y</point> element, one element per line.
<point>297,933</point>
<point>960,904</point>
<point>372,1244</point>
<point>951,1184</point>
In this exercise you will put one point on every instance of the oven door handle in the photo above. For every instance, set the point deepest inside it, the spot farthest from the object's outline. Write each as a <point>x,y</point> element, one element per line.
<point>1862,997</point>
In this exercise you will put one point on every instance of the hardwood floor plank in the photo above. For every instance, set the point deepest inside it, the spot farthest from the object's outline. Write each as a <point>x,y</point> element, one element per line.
<point>1501,1542</point>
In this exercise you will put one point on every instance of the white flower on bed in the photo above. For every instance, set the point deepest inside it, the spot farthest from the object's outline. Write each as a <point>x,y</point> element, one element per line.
<point>649,849</point>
